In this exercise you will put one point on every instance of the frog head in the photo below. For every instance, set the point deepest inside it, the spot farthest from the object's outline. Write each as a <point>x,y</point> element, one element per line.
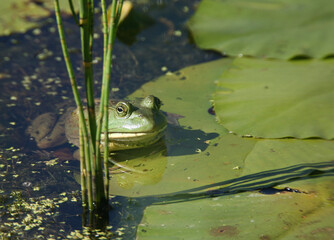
<point>134,124</point>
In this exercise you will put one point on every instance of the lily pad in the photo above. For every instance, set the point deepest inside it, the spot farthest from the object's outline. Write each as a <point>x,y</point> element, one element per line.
<point>19,16</point>
<point>274,99</point>
<point>63,4</point>
<point>203,182</point>
<point>318,224</point>
<point>305,211</point>
<point>273,29</point>
<point>240,216</point>
<point>200,154</point>
<point>268,155</point>
<point>187,163</point>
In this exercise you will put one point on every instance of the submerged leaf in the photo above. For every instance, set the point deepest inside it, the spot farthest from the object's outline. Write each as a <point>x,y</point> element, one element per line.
<point>262,28</point>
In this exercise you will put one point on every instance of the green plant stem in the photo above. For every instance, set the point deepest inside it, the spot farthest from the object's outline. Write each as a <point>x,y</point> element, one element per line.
<point>88,159</point>
<point>103,117</point>
<point>105,28</point>
<point>90,134</point>
<point>104,89</point>
<point>74,89</point>
<point>86,27</point>
<point>73,12</point>
<point>114,17</point>
<point>105,44</point>
<point>86,24</point>
<point>83,173</point>
<point>119,11</point>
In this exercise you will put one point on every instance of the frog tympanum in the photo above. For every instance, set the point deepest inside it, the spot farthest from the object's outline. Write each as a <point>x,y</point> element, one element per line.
<point>131,124</point>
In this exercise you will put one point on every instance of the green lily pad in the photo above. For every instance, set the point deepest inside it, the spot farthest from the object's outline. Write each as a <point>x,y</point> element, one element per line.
<point>252,215</point>
<point>319,223</point>
<point>63,4</point>
<point>200,154</point>
<point>14,15</point>
<point>274,99</point>
<point>18,16</point>
<point>269,155</point>
<point>273,29</point>
<point>240,216</point>
<point>200,182</point>
<point>192,148</point>
<point>187,93</point>
<point>316,225</point>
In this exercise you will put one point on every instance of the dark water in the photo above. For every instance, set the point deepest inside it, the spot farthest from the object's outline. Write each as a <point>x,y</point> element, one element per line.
<point>34,80</point>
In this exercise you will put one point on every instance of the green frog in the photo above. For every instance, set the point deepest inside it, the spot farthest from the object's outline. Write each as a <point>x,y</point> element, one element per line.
<point>132,124</point>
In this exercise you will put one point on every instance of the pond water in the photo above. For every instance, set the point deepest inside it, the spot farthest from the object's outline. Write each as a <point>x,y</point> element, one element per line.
<point>39,195</point>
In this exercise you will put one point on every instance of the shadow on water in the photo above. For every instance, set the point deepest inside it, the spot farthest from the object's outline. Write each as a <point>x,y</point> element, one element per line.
<point>177,142</point>
<point>181,141</point>
<point>128,212</point>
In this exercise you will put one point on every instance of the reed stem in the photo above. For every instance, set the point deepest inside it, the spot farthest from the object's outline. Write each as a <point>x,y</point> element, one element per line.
<point>94,182</point>
<point>74,89</point>
<point>86,27</point>
<point>113,23</point>
<point>73,12</point>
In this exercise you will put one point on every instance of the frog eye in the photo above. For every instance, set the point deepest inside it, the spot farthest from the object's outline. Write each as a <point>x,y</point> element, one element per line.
<point>151,102</point>
<point>122,109</point>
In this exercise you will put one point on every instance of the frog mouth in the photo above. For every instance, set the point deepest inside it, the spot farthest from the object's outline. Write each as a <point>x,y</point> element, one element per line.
<point>116,135</point>
<point>133,135</point>
<point>121,141</point>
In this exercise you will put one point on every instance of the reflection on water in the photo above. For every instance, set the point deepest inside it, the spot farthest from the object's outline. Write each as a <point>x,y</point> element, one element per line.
<point>139,166</point>
<point>146,166</point>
